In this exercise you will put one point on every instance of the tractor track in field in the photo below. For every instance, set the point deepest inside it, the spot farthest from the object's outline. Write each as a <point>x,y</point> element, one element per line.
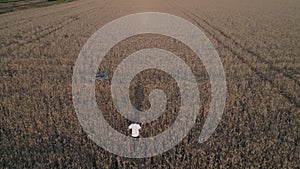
<point>290,96</point>
<point>39,47</point>
<point>44,32</point>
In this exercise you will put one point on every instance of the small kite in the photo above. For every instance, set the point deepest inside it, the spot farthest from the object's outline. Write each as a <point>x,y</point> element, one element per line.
<point>98,77</point>
<point>101,76</point>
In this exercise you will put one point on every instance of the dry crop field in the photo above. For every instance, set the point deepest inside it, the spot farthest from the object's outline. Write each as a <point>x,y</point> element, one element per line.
<point>15,5</point>
<point>258,43</point>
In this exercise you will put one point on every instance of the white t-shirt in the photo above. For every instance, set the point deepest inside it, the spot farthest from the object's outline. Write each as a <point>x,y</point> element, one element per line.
<point>135,129</point>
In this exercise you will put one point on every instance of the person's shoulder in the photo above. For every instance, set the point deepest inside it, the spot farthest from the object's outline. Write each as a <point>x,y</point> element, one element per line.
<point>134,125</point>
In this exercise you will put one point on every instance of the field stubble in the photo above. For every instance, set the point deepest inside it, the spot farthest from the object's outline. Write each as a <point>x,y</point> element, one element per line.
<point>258,46</point>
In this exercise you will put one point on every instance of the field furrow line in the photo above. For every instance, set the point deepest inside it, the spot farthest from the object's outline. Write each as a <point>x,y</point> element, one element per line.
<point>249,51</point>
<point>28,19</point>
<point>264,75</point>
<point>289,93</point>
<point>37,35</point>
<point>42,33</point>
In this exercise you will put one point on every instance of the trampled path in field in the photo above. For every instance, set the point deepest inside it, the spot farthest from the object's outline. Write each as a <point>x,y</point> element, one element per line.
<point>258,44</point>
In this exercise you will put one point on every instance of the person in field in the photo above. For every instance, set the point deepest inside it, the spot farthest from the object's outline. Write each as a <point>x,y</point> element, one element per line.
<point>135,130</point>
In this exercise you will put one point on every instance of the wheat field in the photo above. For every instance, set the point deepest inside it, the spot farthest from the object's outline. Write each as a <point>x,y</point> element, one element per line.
<point>258,44</point>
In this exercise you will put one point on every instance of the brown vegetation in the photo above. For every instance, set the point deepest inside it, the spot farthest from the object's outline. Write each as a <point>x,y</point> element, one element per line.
<point>258,43</point>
